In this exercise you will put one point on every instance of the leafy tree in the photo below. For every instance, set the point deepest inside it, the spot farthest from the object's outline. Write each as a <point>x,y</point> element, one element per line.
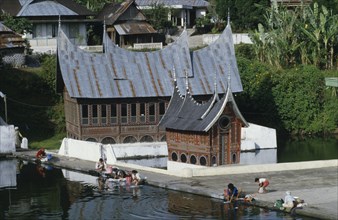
<point>300,36</point>
<point>299,97</point>
<point>18,25</point>
<point>95,5</point>
<point>244,14</point>
<point>157,16</point>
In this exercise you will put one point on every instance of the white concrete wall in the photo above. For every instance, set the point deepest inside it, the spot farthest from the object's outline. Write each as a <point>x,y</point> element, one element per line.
<point>7,139</point>
<point>140,149</point>
<point>156,162</point>
<point>86,150</point>
<point>266,156</point>
<point>257,137</point>
<point>237,38</point>
<point>93,151</point>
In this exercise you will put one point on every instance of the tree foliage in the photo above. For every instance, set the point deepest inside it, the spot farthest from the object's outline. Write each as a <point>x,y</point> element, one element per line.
<point>19,25</point>
<point>302,36</point>
<point>94,5</point>
<point>244,14</point>
<point>157,16</point>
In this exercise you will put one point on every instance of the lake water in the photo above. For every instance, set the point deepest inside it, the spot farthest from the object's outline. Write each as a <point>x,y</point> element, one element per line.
<point>287,151</point>
<point>50,193</point>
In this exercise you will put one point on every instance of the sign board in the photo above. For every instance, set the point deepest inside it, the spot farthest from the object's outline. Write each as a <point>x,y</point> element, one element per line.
<point>331,81</point>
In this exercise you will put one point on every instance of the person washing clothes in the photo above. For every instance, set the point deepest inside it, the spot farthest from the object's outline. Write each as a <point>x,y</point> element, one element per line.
<point>288,200</point>
<point>100,166</point>
<point>262,183</point>
<point>230,193</point>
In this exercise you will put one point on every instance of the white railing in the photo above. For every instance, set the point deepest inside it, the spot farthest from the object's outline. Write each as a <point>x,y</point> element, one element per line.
<point>148,46</point>
<point>94,49</point>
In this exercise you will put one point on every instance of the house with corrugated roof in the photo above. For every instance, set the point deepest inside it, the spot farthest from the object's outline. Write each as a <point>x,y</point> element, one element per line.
<point>44,15</point>
<point>184,12</point>
<point>126,25</point>
<point>120,96</point>
<point>10,41</point>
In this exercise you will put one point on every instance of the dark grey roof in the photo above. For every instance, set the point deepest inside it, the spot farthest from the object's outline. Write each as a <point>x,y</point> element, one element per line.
<point>119,73</point>
<point>2,122</point>
<point>4,28</point>
<point>113,13</point>
<point>193,3</point>
<point>130,28</point>
<point>30,8</point>
<point>186,114</point>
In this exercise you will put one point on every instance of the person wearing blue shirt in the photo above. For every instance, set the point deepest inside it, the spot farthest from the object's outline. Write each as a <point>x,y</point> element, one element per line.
<point>230,193</point>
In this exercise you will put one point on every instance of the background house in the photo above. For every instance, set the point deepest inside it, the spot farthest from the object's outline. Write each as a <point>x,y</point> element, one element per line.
<point>45,14</point>
<point>184,11</point>
<point>10,41</point>
<point>126,24</point>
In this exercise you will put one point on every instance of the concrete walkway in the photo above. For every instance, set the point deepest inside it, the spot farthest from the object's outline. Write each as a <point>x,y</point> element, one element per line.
<point>317,186</point>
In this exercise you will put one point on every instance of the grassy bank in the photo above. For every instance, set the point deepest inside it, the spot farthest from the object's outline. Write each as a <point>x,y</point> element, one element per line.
<point>31,106</point>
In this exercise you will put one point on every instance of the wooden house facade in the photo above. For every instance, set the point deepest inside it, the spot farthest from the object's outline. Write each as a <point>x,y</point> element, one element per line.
<point>120,96</point>
<point>126,25</point>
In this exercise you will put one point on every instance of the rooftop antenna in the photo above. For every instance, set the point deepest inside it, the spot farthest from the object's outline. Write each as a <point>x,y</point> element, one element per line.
<point>174,74</point>
<point>215,83</point>
<point>228,16</point>
<point>186,81</point>
<point>229,75</point>
<point>104,34</point>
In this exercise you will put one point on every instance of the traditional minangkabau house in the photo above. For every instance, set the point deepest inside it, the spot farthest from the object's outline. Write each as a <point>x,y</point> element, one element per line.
<point>127,25</point>
<point>204,134</point>
<point>120,96</point>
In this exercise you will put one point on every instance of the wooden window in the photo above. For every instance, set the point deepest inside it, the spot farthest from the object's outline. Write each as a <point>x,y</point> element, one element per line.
<point>151,112</point>
<point>95,119</point>
<point>133,113</point>
<point>103,114</point>
<point>162,110</point>
<point>84,115</point>
<point>124,113</point>
<point>113,114</point>
<point>142,112</point>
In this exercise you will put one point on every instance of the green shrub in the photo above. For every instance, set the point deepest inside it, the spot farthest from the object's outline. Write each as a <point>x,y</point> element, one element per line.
<point>299,94</point>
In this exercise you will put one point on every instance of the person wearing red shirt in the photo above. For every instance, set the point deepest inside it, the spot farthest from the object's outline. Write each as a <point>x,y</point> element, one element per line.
<point>41,154</point>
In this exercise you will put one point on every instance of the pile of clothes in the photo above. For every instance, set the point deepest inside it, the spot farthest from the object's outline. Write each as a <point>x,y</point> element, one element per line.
<point>289,203</point>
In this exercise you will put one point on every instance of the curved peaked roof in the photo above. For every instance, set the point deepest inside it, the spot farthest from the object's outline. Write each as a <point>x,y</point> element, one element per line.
<point>119,73</point>
<point>186,114</point>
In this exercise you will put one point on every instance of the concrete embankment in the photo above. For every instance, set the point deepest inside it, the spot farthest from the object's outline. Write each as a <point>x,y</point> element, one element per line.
<point>316,182</point>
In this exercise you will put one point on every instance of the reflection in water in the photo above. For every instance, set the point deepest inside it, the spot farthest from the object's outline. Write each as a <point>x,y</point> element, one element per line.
<point>307,150</point>
<point>68,195</point>
<point>8,172</point>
